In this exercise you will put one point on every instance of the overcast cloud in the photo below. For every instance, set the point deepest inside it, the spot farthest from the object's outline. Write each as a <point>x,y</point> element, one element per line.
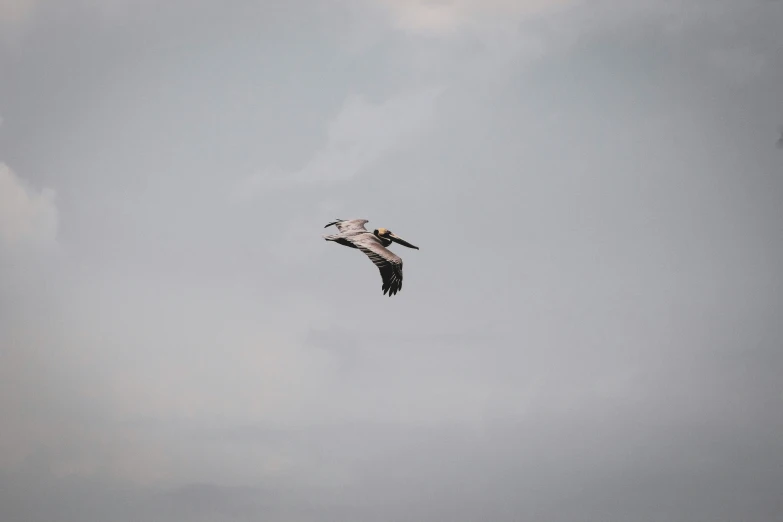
<point>591,331</point>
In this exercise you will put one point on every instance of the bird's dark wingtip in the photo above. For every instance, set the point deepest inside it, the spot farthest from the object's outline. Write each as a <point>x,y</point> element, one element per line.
<point>391,290</point>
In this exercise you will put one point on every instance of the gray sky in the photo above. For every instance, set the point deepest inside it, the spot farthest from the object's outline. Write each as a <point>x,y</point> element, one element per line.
<point>591,330</point>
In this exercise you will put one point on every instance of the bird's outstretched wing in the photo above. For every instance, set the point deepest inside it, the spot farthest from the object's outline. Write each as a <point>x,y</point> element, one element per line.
<point>344,225</point>
<point>389,264</point>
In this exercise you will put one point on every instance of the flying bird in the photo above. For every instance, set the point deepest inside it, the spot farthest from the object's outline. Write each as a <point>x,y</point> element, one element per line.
<point>373,244</point>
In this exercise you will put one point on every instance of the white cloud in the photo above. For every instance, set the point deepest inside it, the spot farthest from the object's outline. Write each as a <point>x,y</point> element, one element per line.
<point>16,11</point>
<point>362,133</point>
<point>15,15</point>
<point>433,17</point>
<point>26,214</point>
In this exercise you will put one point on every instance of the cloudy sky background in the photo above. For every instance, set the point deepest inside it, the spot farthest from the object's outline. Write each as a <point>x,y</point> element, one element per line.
<point>591,330</point>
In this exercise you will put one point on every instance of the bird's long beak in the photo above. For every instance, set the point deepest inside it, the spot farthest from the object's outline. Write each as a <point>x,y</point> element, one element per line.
<point>398,239</point>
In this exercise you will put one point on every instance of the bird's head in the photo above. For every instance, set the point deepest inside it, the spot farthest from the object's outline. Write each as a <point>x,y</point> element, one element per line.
<point>388,234</point>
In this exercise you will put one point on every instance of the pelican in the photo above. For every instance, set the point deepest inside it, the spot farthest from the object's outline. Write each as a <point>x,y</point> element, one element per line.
<point>373,244</point>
